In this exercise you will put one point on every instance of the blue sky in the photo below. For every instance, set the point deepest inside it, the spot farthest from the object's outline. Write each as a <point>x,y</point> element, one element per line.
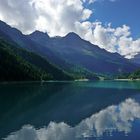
<point>118,13</point>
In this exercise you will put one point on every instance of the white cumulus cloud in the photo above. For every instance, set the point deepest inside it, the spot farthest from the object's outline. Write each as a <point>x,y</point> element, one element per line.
<point>113,39</point>
<point>59,17</point>
<point>52,16</point>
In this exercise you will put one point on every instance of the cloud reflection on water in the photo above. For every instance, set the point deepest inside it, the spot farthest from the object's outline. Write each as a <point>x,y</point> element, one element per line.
<point>114,118</point>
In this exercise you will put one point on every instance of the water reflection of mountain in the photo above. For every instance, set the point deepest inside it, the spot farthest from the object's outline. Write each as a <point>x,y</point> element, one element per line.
<point>38,104</point>
<point>114,118</point>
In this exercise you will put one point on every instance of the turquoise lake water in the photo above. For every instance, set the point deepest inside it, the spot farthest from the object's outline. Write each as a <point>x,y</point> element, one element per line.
<point>102,110</point>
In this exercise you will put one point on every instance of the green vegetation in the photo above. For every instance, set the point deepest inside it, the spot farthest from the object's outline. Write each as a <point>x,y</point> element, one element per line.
<point>135,75</point>
<point>78,72</point>
<point>17,64</point>
<point>123,76</point>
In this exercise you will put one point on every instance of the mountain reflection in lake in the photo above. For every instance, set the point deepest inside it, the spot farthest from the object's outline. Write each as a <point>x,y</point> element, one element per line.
<point>70,111</point>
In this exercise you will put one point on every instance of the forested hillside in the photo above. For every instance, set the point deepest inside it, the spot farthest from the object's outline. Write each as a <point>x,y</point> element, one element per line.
<point>135,75</point>
<point>17,64</point>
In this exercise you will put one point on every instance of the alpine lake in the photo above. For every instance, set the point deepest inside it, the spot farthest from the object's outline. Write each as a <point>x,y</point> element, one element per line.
<point>90,110</point>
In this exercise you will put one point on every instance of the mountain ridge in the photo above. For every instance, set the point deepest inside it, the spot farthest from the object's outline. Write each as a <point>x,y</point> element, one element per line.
<point>71,51</point>
<point>136,59</point>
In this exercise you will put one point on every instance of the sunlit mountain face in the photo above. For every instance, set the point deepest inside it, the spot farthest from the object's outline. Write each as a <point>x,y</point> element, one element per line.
<point>109,122</point>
